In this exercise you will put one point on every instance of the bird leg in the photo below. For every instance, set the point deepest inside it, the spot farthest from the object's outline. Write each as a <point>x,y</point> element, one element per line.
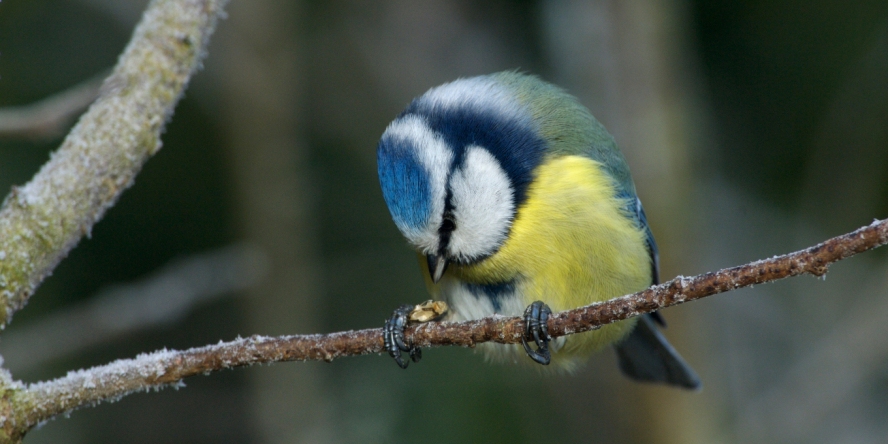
<point>536,317</point>
<point>393,332</point>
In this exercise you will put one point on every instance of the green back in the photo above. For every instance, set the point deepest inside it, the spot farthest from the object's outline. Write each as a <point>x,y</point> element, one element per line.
<point>568,126</point>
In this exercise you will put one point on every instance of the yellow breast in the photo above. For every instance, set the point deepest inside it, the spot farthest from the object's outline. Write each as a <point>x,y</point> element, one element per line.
<point>571,244</point>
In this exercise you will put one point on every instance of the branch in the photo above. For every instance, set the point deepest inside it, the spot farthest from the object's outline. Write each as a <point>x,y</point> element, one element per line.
<point>44,219</point>
<point>156,370</point>
<point>162,298</point>
<point>48,118</point>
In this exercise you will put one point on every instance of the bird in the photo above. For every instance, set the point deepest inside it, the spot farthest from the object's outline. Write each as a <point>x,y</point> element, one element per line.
<point>518,202</point>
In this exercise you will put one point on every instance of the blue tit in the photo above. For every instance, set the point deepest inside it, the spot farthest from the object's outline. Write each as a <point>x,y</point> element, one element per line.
<point>518,202</point>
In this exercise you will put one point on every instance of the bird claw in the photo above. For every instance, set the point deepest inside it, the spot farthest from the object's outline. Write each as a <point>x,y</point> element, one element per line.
<point>536,318</point>
<point>394,339</point>
<point>393,333</point>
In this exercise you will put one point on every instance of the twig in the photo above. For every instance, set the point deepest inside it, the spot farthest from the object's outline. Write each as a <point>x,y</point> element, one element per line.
<point>163,297</point>
<point>41,221</point>
<point>165,368</point>
<point>50,117</point>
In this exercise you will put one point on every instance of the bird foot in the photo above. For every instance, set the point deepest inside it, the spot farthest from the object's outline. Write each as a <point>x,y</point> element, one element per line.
<point>393,332</point>
<point>536,317</point>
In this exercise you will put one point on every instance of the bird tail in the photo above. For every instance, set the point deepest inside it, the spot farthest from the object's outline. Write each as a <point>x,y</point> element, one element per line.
<point>646,356</point>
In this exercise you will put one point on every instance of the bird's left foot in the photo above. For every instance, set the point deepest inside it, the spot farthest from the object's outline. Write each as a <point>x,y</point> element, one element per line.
<point>536,317</point>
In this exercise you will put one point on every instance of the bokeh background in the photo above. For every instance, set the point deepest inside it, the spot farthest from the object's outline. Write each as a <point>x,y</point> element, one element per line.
<point>752,129</point>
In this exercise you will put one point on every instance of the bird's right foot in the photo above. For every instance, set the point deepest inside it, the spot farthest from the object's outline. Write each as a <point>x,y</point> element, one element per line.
<point>393,333</point>
<point>394,339</point>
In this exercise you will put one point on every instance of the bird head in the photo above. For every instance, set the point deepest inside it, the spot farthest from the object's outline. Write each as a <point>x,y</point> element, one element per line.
<point>454,169</point>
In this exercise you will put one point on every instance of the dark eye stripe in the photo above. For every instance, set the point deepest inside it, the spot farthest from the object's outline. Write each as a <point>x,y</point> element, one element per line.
<point>448,224</point>
<point>511,140</point>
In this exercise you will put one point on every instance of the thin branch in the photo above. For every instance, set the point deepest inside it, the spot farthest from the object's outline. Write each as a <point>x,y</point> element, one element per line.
<point>41,221</point>
<point>161,298</point>
<point>50,117</point>
<point>164,368</point>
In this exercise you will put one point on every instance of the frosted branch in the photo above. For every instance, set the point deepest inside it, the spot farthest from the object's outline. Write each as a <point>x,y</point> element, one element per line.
<point>166,368</point>
<point>41,221</point>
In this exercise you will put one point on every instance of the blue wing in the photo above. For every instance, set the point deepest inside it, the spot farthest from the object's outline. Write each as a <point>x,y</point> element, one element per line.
<point>652,251</point>
<point>645,355</point>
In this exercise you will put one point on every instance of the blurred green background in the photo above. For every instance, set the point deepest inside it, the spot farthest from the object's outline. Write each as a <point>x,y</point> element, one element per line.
<point>752,129</point>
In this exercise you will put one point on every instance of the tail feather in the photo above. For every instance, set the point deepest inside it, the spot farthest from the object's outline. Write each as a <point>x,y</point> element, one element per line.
<point>645,355</point>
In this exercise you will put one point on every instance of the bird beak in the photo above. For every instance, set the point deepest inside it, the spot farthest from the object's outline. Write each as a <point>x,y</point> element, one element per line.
<point>437,266</point>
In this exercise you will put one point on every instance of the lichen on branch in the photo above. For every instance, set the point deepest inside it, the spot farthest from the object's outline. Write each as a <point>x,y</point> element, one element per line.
<point>43,220</point>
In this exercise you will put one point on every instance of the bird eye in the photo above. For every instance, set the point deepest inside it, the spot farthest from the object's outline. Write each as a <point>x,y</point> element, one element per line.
<point>448,224</point>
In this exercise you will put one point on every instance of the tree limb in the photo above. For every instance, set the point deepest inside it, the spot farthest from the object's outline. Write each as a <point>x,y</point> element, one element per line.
<point>41,221</point>
<point>159,369</point>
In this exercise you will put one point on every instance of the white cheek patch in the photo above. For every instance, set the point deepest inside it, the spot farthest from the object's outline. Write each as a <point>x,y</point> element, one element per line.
<point>483,205</point>
<point>433,153</point>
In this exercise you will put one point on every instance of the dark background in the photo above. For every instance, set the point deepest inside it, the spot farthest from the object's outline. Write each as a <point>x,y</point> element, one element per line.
<point>752,129</point>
